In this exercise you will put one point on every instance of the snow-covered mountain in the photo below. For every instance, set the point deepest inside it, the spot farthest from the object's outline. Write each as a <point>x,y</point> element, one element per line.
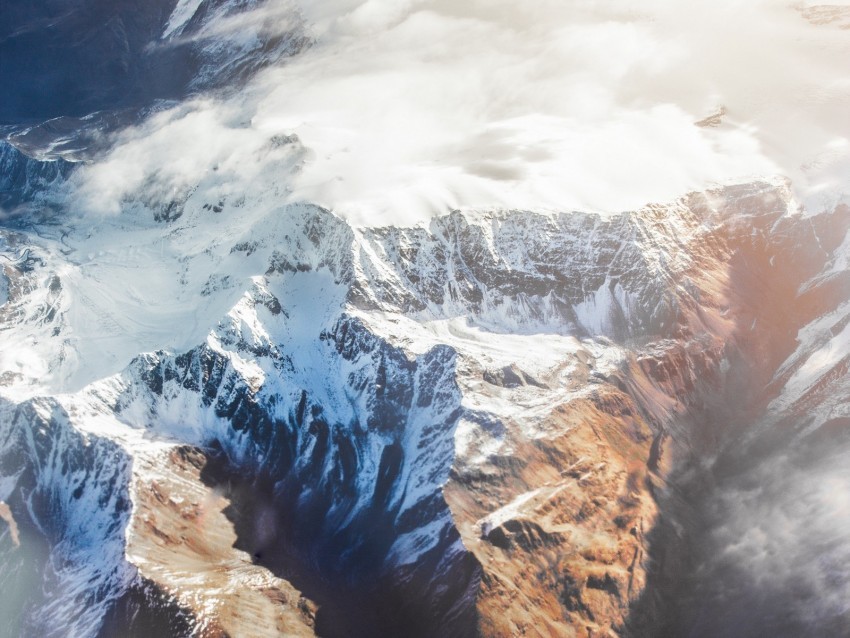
<point>227,409</point>
<point>403,418</point>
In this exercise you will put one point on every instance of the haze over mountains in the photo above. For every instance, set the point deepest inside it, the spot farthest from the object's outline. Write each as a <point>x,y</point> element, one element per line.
<point>424,318</point>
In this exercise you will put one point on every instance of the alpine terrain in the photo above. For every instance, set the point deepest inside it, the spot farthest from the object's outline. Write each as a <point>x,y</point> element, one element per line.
<point>232,405</point>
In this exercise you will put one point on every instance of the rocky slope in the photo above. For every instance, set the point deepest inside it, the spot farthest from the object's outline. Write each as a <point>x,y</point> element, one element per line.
<point>482,425</point>
<point>227,411</point>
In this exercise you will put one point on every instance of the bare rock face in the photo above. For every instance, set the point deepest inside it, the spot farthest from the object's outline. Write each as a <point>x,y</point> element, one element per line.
<point>6,515</point>
<point>234,416</point>
<point>492,425</point>
<point>510,376</point>
<point>567,556</point>
<point>181,538</point>
<point>23,178</point>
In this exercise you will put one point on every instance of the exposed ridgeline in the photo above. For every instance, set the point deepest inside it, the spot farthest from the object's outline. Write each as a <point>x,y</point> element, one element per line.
<point>463,428</point>
<point>25,180</point>
<point>69,495</point>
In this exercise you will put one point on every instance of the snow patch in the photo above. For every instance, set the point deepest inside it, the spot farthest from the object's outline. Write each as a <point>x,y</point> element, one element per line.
<point>183,12</point>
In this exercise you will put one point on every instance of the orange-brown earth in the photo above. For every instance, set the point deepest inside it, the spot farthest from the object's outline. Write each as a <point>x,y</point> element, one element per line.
<point>181,539</point>
<point>566,526</point>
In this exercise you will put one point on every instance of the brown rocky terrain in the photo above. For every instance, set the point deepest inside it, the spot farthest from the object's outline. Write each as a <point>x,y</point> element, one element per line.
<point>501,424</point>
<point>567,527</point>
<point>6,515</point>
<point>181,539</point>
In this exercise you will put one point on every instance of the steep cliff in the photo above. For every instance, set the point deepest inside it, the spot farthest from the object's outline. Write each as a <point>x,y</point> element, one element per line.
<point>478,426</point>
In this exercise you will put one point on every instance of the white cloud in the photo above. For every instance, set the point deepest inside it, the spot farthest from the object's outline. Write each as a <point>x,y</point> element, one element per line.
<point>774,553</point>
<point>412,107</point>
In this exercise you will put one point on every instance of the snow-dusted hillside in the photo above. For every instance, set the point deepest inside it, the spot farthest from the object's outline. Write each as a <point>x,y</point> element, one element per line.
<point>347,377</point>
<point>321,319</point>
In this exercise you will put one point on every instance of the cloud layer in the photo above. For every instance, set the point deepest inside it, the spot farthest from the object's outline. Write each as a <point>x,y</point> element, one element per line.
<point>773,549</point>
<point>409,108</point>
